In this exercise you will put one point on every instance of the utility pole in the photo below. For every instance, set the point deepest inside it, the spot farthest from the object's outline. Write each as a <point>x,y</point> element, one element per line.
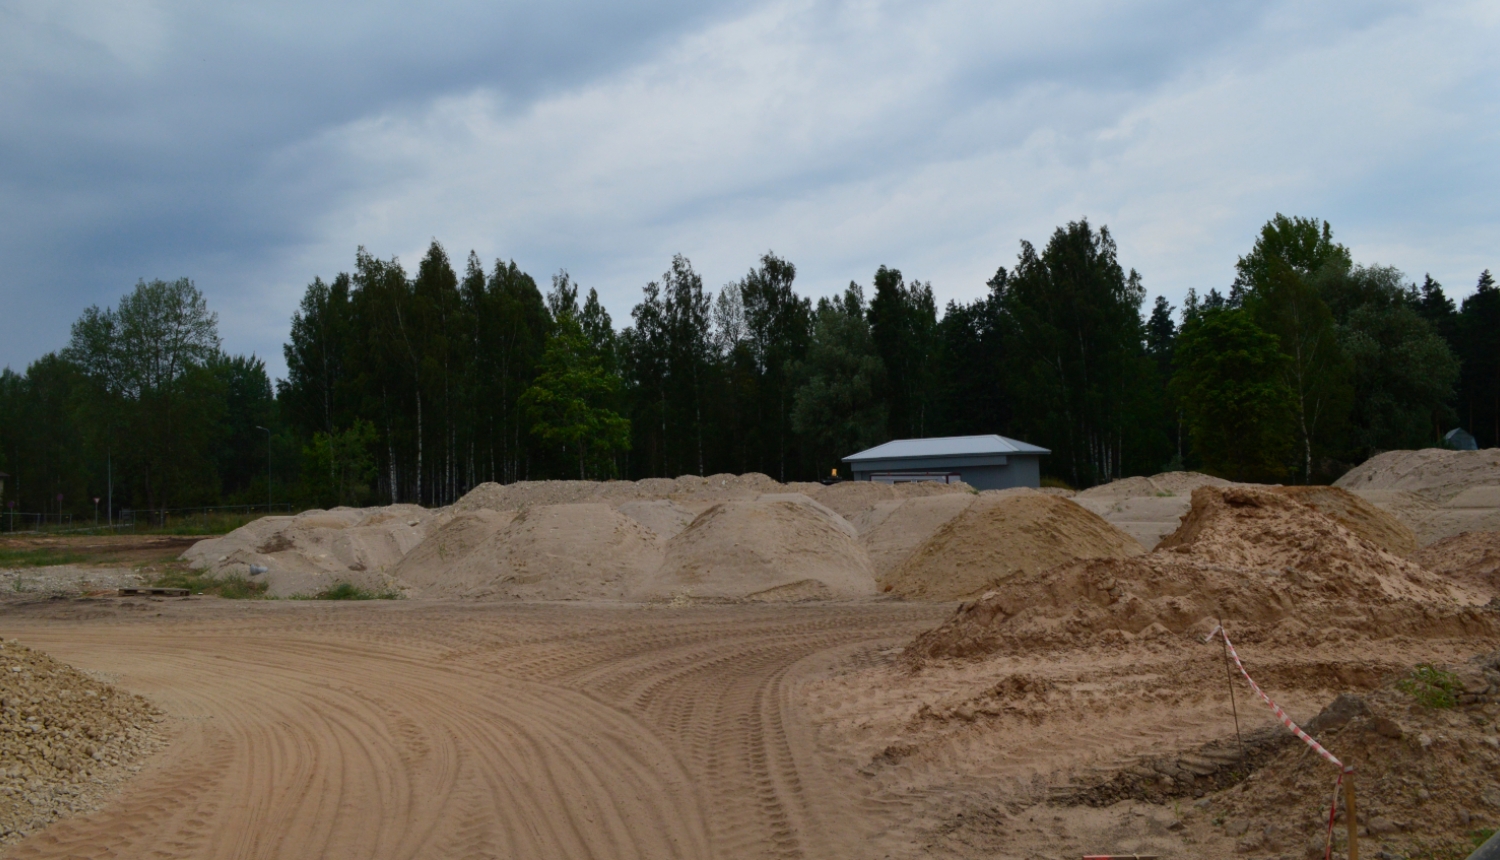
<point>268,470</point>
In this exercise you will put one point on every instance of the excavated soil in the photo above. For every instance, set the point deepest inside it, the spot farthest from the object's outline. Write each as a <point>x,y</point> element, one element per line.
<point>1358,516</point>
<point>776,547</point>
<point>66,739</point>
<point>1472,558</point>
<point>1251,556</point>
<point>999,536</point>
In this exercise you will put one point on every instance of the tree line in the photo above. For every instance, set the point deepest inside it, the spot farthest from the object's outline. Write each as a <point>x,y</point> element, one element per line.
<point>416,386</point>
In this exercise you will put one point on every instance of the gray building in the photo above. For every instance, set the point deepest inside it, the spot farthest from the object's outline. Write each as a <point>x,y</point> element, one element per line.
<point>982,462</point>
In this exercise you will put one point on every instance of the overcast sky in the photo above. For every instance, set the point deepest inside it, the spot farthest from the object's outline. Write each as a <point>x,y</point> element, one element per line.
<point>252,146</point>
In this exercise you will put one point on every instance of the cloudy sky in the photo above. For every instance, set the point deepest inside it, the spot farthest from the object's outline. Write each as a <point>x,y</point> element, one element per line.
<point>253,146</point>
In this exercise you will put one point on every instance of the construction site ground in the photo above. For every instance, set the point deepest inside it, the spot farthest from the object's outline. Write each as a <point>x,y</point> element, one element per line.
<point>539,730</point>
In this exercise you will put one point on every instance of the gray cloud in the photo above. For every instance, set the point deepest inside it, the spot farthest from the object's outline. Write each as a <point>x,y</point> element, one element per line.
<point>251,150</point>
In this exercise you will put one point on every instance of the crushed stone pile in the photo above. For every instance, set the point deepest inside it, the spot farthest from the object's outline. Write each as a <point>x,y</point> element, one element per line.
<point>1437,493</point>
<point>314,550</point>
<point>585,551</point>
<point>999,536</point>
<point>779,546</point>
<point>1147,509</point>
<point>65,739</point>
<point>1471,558</point>
<point>1249,555</point>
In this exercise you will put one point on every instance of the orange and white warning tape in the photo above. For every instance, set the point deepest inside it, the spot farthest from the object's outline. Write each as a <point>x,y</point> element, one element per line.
<point>1292,727</point>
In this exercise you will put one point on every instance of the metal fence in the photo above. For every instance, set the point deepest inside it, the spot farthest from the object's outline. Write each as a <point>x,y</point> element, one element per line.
<point>128,519</point>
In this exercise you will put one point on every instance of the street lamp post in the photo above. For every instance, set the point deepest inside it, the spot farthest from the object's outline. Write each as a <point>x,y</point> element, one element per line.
<point>268,469</point>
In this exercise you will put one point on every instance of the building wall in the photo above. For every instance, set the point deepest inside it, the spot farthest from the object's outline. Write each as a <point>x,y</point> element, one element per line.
<point>1020,471</point>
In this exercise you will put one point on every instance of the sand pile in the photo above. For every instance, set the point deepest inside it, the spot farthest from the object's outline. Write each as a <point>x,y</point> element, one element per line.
<point>893,529</point>
<point>1472,558</point>
<point>713,488</point>
<point>1435,492</point>
<point>998,536</point>
<point>447,545</point>
<point>1147,509</point>
<point>1252,556</point>
<point>64,738</point>
<point>587,551</point>
<point>316,549</point>
<point>1434,473</point>
<point>1358,516</point>
<point>777,547</point>
<point>666,518</point>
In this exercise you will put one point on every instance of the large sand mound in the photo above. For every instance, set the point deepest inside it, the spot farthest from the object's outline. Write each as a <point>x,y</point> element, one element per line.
<point>1000,535</point>
<point>1254,557</point>
<point>585,551</point>
<point>426,566</point>
<point>781,546</point>
<point>852,498</point>
<point>1434,473</point>
<point>316,549</point>
<point>1147,509</point>
<point>1472,558</point>
<point>1434,492</point>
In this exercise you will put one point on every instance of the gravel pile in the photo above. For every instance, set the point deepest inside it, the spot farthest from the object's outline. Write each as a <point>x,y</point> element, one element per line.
<point>65,740</point>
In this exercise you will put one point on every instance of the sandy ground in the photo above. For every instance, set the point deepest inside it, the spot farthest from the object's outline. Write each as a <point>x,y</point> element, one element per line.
<point>441,729</point>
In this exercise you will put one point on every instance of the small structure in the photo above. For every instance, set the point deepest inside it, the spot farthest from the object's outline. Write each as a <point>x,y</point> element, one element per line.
<point>1459,440</point>
<point>983,462</point>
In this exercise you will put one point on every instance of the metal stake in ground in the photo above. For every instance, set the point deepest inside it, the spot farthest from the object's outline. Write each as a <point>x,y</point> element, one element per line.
<point>1229,676</point>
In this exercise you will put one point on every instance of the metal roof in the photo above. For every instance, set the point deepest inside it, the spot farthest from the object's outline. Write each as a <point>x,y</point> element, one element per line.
<point>946,446</point>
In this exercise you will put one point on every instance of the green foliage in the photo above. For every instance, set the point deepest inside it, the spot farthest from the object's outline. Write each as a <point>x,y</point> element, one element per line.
<point>1231,381</point>
<point>1083,384</point>
<point>1431,687</point>
<point>837,407</point>
<point>903,327</point>
<point>198,582</point>
<point>40,557</point>
<point>349,591</point>
<point>1285,303</point>
<point>566,402</point>
<point>1303,245</point>
<point>340,466</point>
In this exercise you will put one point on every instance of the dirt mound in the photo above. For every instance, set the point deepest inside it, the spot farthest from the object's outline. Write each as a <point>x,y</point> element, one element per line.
<point>585,551</point>
<point>1472,558</point>
<point>64,738</point>
<point>1147,509</point>
<point>892,530</point>
<point>1248,555</point>
<point>1426,774</point>
<point>1433,473</point>
<point>1000,535</point>
<point>447,546</point>
<point>1358,516</point>
<point>776,547</point>
<point>312,551</point>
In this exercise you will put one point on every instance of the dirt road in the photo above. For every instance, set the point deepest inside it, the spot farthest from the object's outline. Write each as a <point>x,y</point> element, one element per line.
<point>417,730</point>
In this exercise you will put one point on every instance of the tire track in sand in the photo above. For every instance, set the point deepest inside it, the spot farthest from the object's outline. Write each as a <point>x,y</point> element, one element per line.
<point>529,732</point>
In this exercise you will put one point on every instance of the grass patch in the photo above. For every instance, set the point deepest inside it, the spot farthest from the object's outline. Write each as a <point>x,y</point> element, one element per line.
<point>1431,686</point>
<point>229,587</point>
<point>1481,836</point>
<point>350,591</point>
<point>1058,483</point>
<point>40,557</point>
